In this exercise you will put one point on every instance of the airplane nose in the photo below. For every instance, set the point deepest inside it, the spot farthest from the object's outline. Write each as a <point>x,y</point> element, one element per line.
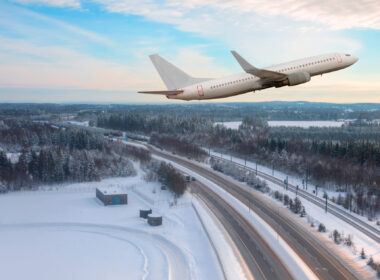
<point>355,59</point>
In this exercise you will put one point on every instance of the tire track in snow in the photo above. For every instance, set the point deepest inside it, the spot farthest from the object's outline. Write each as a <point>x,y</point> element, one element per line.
<point>176,261</point>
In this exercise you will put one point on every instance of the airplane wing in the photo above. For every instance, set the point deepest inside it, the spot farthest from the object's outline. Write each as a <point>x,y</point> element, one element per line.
<point>163,92</point>
<point>261,73</point>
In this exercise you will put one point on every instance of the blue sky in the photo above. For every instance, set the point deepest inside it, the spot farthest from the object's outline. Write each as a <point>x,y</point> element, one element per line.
<point>97,50</point>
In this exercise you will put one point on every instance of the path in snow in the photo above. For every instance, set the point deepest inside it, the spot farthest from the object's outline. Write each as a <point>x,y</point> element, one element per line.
<point>133,246</point>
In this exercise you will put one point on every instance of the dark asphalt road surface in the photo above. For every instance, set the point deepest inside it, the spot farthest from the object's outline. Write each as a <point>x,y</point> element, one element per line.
<point>324,264</point>
<point>259,258</point>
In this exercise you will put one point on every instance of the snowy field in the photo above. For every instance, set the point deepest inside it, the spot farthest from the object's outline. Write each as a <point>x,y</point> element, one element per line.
<point>85,123</point>
<point>303,124</point>
<point>66,233</point>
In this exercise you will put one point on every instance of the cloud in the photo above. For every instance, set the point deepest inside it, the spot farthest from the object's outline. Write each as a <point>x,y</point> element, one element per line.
<point>24,64</point>
<point>264,32</point>
<point>335,14</point>
<point>19,20</point>
<point>55,3</point>
<point>270,31</point>
<point>28,65</point>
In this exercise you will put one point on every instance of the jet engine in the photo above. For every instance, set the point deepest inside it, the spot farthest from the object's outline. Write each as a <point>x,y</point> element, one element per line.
<point>294,79</point>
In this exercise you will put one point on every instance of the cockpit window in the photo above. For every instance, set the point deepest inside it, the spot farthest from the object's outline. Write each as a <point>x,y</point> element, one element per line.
<point>348,54</point>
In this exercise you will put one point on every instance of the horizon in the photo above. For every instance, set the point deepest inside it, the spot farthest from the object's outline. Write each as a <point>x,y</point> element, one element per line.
<point>185,103</point>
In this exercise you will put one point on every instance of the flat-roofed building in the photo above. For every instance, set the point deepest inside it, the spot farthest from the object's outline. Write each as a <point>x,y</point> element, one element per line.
<point>112,196</point>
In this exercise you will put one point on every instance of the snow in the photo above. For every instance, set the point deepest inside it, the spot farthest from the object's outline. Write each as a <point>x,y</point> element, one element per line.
<point>64,232</point>
<point>306,124</point>
<point>13,157</point>
<point>85,123</point>
<point>134,143</point>
<point>154,216</point>
<point>232,125</point>
<point>318,215</point>
<point>228,254</point>
<point>293,180</point>
<point>112,190</point>
<point>303,124</point>
<point>291,260</point>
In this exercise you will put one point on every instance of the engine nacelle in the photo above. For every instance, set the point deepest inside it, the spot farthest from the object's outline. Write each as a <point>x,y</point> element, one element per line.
<point>294,79</point>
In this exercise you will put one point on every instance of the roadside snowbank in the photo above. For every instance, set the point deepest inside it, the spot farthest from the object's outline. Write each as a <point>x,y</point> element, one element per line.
<point>291,260</point>
<point>223,245</point>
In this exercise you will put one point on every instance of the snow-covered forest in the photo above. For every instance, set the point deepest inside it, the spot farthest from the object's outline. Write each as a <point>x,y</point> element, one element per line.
<point>343,158</point>
<point>36,149</point>
<point>35,153</point>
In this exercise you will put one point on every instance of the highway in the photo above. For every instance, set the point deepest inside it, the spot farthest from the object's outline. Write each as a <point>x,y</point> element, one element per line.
<point>259,258</point>
<point>319,258</point>
<point>362,226</point>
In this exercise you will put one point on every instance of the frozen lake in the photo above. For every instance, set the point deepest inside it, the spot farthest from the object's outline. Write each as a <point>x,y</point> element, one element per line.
<point>303,124</point>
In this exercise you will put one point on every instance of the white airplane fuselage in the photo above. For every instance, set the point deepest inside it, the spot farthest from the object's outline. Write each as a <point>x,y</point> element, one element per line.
<point>246,82</point>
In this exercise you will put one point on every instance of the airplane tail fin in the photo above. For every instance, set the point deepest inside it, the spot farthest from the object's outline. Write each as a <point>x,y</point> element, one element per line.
<point>172,76</point>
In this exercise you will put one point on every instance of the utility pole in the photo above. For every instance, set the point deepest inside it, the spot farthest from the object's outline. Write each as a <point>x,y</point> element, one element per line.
<point>287,182</point>
<point>256,168</point>
<point>296,190</point>
<point>326,197</point>
<point>350,201</point>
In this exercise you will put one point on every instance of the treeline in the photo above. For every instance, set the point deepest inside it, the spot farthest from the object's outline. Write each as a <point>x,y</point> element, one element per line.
<point>173,179</point>
<point>144,123</point>
<point>62,155</point>
<point>340,158</point>
<point>239,173</point>
<point>16,134</point>
<point>180,146</point>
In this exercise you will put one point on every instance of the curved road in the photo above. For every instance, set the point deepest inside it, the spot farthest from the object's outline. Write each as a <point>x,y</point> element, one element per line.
<point>320,260</point>
<point>262,262</point>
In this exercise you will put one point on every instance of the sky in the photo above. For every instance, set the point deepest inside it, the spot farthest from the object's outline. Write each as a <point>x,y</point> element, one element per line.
<point>96,51</point>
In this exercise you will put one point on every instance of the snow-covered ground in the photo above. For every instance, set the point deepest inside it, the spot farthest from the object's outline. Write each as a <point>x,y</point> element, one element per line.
<point>317,215</point>
<point>85,123</point>
<point>13,157</point>
<point>303,124</point>
<point>290,259</point>
<point>65,232</point>
<point>293,180</point>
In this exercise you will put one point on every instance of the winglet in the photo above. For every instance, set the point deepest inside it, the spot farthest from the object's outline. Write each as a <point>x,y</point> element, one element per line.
<point>247,67</point>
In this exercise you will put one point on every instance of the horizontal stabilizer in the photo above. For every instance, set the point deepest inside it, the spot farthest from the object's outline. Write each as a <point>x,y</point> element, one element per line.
<point>163,92</point>
<point>261,73</point>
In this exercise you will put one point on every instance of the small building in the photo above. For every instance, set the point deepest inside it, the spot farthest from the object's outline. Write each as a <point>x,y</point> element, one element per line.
<point>145,212</point>
<point>154,220</point>
<point>112,196</point>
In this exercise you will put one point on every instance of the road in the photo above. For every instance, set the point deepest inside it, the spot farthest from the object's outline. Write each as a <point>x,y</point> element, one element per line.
<point>357,223</point>
<point>320,259</point>
<point>259,258</point>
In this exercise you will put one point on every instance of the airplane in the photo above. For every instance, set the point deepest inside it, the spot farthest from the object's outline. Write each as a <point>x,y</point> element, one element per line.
<point>185,87</point>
